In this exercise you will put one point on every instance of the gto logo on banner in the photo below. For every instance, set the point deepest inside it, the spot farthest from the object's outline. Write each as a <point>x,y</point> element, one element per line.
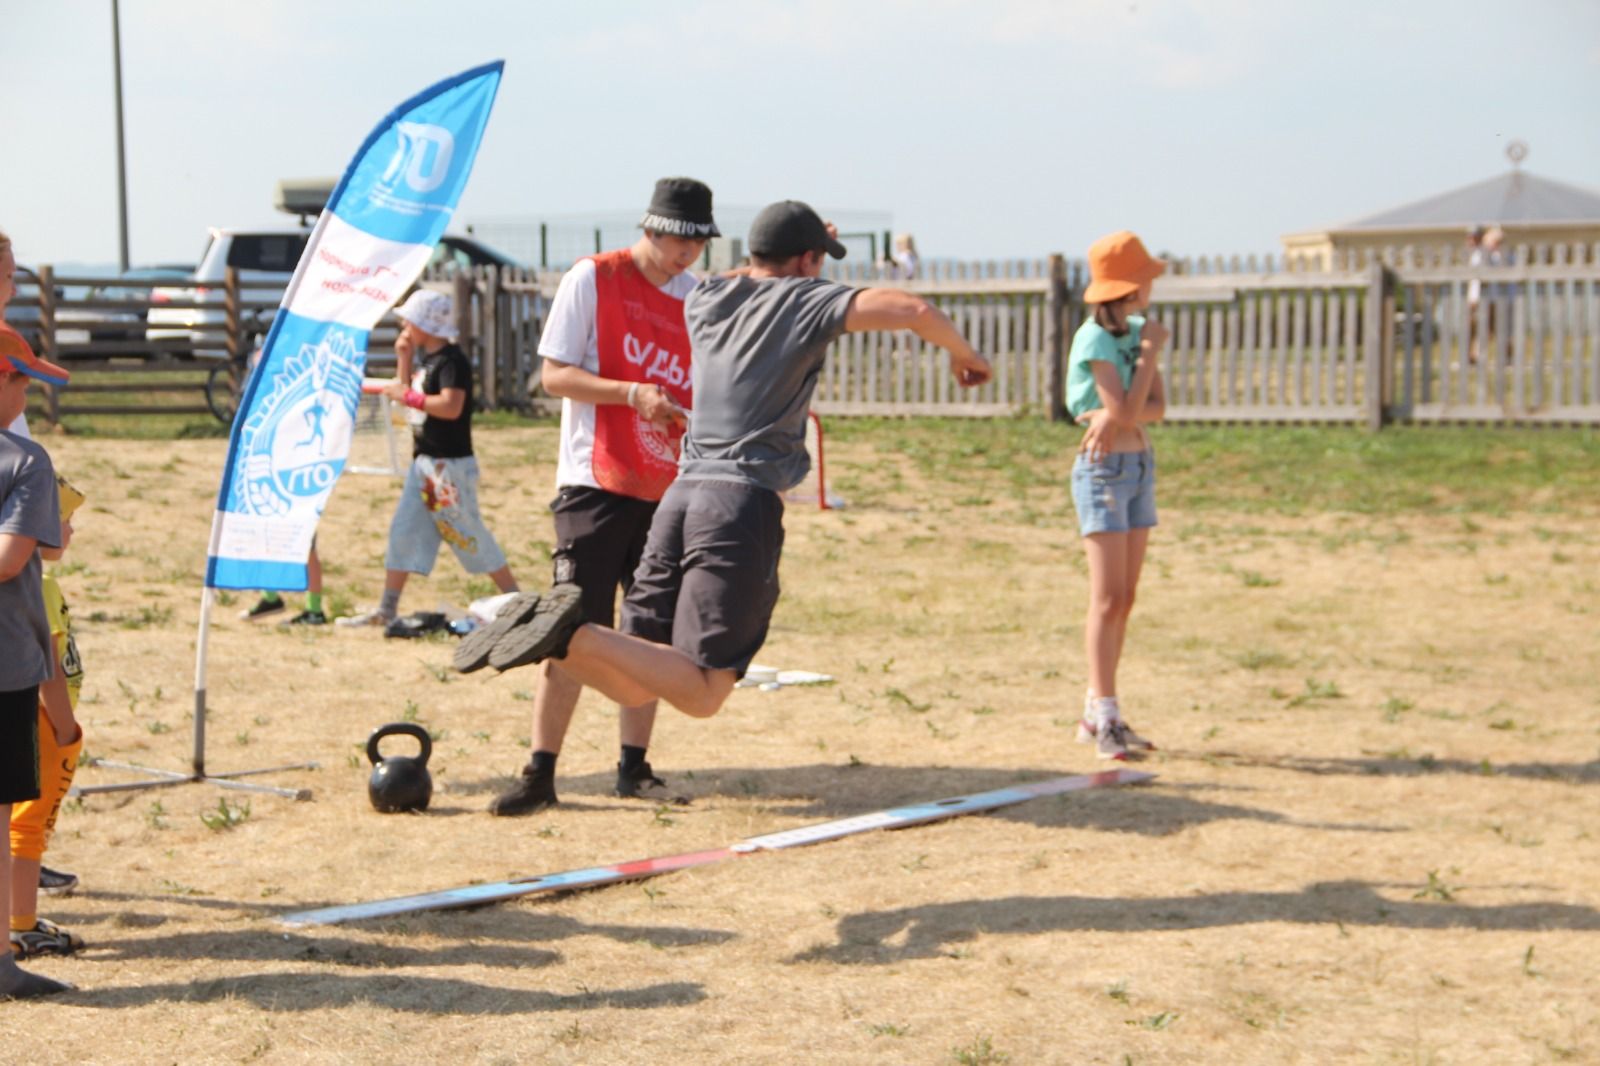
<point>292,435</point>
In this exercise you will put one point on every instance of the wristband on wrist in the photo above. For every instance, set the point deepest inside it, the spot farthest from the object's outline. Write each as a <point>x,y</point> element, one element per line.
<point>633,393</point>
<point>414,399</point>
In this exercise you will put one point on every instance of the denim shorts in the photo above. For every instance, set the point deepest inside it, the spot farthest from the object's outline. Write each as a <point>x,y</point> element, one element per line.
<point>1116,493</point>
<point>439,505</point>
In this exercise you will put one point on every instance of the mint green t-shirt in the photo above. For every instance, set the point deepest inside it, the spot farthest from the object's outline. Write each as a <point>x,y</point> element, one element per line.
<point>1092,343</point>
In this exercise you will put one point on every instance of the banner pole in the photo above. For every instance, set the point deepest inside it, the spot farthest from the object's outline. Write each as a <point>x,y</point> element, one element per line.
<point>200,683</point>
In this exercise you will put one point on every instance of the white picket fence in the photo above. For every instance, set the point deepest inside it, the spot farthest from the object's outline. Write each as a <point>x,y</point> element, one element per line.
<point>1389,336</point>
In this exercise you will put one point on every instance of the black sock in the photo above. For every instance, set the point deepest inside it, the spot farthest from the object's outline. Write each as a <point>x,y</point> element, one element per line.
<point>632,758</point>
<point>544,762</point>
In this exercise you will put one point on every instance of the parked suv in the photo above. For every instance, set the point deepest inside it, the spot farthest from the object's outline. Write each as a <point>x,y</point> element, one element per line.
<point>258,255</point>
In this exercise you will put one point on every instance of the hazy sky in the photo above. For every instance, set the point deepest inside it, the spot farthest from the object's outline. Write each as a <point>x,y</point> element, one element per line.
<point>992,128</point>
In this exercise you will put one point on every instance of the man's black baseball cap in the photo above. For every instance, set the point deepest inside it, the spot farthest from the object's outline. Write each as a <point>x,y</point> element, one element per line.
<point>788,228</point>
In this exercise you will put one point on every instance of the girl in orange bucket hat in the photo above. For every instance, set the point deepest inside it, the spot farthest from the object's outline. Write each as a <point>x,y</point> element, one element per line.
<point>1113,388</point>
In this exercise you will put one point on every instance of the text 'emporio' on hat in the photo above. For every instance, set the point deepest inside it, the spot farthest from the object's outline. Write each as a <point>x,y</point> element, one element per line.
<point>681,207</point>
<point>15,354</point>
<point>1118,267</point>
<point>788,228</point>
<point>431,312</point>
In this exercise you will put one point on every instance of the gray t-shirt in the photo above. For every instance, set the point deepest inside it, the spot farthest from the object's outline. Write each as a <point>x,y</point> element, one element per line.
<point>758,347</point>
<point>29,508</point>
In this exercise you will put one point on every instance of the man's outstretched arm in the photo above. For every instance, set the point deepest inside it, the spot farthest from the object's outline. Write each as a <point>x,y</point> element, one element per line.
<point>891,309</point>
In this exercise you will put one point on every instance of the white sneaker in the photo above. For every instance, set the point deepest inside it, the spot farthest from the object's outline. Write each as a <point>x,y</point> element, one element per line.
<point>374,617</point>
<point>1113,739</point>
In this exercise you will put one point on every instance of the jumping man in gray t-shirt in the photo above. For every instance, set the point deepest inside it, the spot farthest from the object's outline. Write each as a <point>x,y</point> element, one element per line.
<point>704,592</point>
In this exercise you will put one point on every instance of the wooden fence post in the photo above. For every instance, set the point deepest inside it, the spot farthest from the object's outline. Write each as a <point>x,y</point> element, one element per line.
<point>462,291</point>
<point>491,339</point>
<point>1377,357</point>
<point>1055,344</point>
<point>232,316</point>
<point>47,337</point>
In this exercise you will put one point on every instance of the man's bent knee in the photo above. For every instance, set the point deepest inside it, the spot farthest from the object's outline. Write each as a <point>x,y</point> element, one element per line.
<point>718,684</point>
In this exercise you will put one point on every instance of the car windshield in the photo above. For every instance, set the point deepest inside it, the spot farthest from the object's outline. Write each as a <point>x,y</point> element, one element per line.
<point>277,252</point>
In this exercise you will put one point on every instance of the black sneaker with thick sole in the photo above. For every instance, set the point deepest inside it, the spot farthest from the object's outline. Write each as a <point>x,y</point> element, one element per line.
<point>639,783</point>
<point>532,792</point>
<point>545,634</point>
<point>57,882</point>
<point>473,651</point>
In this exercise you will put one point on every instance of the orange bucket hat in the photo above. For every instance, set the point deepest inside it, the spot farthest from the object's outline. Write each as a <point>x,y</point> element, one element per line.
<point>1118,266</point>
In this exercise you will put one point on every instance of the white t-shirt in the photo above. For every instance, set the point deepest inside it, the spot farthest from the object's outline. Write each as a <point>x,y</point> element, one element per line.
<point>569,337</point>
<point>20,427</point>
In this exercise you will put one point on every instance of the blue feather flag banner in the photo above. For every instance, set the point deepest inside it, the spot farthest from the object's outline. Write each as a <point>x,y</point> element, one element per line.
<point>292,434</point>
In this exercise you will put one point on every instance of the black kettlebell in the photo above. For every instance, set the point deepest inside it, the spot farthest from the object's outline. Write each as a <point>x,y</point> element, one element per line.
<point>400,782</point>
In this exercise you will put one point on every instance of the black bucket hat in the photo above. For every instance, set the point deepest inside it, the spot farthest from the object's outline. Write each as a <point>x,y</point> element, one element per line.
<point>788,228</point>
<point>681,207</point>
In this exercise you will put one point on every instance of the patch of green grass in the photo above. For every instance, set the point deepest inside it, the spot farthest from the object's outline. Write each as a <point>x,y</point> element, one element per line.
<point>979,1052</point>
<point>1403,470</point>
<point>226,815</point>
<point>1437,888</point>
<point>1314,690</point>
<point>1262,659</point>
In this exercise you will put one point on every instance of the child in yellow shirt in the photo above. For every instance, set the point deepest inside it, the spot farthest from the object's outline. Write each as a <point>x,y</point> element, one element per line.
<point>60,740</point>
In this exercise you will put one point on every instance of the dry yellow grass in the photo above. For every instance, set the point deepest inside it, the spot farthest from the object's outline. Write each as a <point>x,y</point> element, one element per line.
<point>1372,837</point>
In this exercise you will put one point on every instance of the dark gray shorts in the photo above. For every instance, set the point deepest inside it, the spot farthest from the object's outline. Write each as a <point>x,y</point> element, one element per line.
<point>600,537</point>
<point>708,580</point>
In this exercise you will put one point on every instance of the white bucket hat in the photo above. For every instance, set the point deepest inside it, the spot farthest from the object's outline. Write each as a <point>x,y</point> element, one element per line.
<point>431,312</point>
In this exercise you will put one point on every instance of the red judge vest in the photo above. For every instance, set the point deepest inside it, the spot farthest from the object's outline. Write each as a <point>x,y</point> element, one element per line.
<point>641,337</point>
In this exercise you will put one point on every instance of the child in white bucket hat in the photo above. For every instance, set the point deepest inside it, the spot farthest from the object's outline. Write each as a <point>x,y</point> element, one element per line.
<point>439,504</point>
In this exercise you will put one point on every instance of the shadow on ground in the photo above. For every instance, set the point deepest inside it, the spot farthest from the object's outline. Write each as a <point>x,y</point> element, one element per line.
<point>320,991</point>
<point>932,930</point>
<point>825,792</point>
<point>1580,773</point>
<point>501,937</point>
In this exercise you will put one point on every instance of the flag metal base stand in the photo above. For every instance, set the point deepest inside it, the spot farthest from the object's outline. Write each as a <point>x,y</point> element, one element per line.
<point>198,775</point>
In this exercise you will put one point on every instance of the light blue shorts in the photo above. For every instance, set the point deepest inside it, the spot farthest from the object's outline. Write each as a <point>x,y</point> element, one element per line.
<point>1116,493</point>
<point>440,505</point>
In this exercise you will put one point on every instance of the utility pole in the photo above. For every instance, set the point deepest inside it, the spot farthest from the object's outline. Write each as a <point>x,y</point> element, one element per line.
<point>122,162</point>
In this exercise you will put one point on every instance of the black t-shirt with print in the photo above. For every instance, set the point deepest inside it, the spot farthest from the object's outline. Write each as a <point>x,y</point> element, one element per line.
<point>446,368</point>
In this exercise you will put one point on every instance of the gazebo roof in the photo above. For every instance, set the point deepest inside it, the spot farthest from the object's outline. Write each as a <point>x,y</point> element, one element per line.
<point>1514,197</point>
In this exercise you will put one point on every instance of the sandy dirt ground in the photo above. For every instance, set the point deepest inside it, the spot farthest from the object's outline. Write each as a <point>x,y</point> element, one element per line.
<point>1372,836</point>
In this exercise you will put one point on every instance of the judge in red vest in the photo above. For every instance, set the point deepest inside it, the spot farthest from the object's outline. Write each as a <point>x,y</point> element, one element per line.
<point>616,351</point>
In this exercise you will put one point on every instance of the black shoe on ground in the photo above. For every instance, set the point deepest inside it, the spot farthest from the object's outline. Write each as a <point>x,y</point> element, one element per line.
<point>473,651</point>
<point>531,793</point>
<point>56,882</point>
<point>413,626</point>
<point>640,783</point>
<point>307,617</point>
<point>265,607</point>
<point>545,634</point>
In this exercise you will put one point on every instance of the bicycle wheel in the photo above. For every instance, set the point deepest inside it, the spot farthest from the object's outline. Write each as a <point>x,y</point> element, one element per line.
<point>221,394</point>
